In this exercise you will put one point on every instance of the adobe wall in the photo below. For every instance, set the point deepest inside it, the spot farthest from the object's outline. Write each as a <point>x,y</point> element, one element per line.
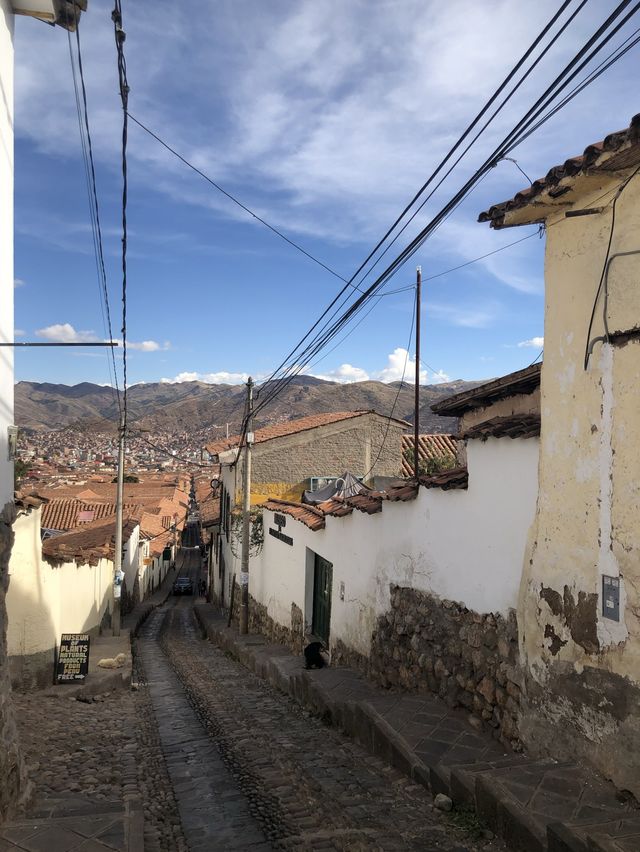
<point>281,466</point>
<point>583,658</point>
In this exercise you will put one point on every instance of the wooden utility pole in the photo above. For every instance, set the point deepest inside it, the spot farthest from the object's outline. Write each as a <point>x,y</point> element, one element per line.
<point>246,515</point>
<point>117,558</point>
<point>416,413</point>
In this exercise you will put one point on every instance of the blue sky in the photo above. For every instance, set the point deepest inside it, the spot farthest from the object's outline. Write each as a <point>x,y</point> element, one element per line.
<point>324,117</point>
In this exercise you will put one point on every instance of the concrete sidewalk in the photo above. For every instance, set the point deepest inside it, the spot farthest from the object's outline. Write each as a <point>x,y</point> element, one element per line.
<point>534,805</point>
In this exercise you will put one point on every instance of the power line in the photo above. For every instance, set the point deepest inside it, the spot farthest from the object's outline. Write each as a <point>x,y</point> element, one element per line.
<point>94,207</point>
<point>600,38</point>
<point>168,452</point>
<point>239,203</point>
<point>443,163</point>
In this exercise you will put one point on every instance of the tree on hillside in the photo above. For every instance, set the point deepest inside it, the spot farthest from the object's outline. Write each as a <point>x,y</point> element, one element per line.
<point>128,477</point>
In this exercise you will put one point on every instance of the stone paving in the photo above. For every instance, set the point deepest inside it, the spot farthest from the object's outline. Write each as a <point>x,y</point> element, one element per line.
<point>534,805</point>
<point>85,748</point>
<point>290,782</point>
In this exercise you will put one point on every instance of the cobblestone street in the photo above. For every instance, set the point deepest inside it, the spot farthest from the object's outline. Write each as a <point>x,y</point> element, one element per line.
<point>252,770</point>
<point>220,760</point>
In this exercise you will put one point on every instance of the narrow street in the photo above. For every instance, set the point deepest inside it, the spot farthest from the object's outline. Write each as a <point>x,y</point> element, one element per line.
<point>249,769</point>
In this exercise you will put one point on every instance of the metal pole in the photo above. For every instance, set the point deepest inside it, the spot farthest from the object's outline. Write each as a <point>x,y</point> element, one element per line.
<point>117,559</point>
<point>416,413</point>
<point>246,515</point>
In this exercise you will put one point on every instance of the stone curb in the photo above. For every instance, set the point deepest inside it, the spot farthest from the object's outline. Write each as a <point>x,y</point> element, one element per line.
<point>467,786</point>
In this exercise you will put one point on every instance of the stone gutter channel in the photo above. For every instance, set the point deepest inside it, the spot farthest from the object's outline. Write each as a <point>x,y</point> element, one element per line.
<point>534,805</point>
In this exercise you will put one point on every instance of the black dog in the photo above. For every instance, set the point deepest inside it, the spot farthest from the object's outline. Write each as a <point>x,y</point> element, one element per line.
<point>313,659</point>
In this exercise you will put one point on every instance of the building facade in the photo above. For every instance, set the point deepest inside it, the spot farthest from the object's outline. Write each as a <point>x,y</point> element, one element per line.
<point>579,607</point>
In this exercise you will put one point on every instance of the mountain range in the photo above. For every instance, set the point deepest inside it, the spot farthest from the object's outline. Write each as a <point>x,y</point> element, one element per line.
<point>195,406</point>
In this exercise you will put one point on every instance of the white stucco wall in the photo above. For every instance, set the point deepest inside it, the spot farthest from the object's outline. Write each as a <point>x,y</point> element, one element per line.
<point>45,600</point>
<point>466,546</point>
<point>6,245</point>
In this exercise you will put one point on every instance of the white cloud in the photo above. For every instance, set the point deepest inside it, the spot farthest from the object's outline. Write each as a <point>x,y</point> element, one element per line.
<point>461,316</point>
<point>534,343</point>
<point>221,378</point>
<point>65,333</point>
<point>400,363</point>
<point>19,332</point>
<point>344,374</point>
<point>440,377</point>
<point>19,282</point>
<point>148,345</point>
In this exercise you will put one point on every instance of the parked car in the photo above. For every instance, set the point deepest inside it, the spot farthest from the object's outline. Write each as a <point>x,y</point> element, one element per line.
<point>183,586</point>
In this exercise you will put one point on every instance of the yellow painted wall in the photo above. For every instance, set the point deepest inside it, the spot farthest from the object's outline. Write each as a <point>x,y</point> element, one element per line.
<point>587,522</point>
<point>45,600</point>
<point>584,669</point>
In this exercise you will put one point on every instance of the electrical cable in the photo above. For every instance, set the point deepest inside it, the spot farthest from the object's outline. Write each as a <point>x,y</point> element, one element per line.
<point>166,452</point>
<point>239,203</point>
<point>94,209</point>
<point>498,153</point>
<point>590,343</point>
<point>438,168</point>
<point>511,141</point>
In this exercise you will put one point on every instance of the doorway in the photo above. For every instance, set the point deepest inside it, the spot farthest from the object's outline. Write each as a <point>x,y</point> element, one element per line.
<point>322,583</point>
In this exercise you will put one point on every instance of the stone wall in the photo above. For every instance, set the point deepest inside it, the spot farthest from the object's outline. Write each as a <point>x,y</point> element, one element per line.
<point>352,445</point>
<point>261,622</point>
<point>469,659</point>
<point>13,780</point>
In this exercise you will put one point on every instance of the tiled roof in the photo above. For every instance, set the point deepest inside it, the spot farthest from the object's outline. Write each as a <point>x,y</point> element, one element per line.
<point>291,427</point>
<point>89,543</point>
<point>617,151</point>
<point>522,381</point>
<point>447,480</point>
<point>310,516</point>
<point>512,426</point>
<point>210,511</point>
<point>67,514</point>
<point>429,447</point>
<point>337,507</point>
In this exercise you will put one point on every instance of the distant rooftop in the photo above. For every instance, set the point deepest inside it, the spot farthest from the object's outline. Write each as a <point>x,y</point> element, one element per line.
<point>522,381</point>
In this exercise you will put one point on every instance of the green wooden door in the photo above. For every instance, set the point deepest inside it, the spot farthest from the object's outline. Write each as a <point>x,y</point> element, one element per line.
<point>322,580</point>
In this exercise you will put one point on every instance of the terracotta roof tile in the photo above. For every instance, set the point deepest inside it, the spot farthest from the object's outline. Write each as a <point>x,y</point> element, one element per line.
<point>310,516</point>
<point>89,543</point>
<point>438,447</point>
<point>67,514</point>
<point>449,479</point>
<point>623,146</point>
<point>290,427</point>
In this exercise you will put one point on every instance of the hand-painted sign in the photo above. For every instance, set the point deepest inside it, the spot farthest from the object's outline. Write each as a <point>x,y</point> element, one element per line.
<point>73,657</point>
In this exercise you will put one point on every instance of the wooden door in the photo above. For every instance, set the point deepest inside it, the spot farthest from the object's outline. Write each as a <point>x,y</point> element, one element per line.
<point>322,580</point>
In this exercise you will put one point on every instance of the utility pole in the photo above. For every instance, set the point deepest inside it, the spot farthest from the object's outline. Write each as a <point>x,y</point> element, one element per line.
<point>246,515</point>
<point>117,559</point>
<point>416,413</point>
